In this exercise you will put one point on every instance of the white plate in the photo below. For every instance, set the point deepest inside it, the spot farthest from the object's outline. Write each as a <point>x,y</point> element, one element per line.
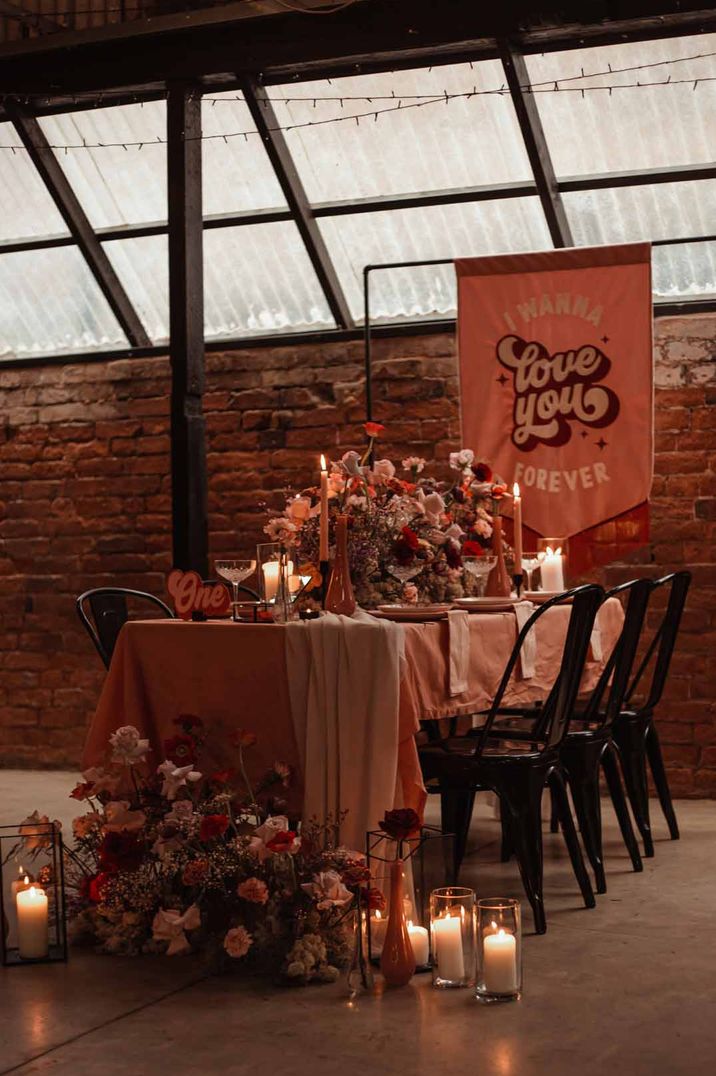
<point>486,605</point>
<point>412,612</point>
<point>539,597</point>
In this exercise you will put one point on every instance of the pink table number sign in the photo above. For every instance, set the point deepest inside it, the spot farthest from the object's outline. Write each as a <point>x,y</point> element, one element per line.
<point>190,595</point>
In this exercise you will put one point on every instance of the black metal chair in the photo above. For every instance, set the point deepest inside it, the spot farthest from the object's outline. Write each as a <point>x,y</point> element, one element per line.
<point>588,746</point>
<point>109,613</point>
<point>634,729</point>
<point>461,766</point>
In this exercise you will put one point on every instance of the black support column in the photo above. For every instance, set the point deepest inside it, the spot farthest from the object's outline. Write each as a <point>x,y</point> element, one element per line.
<point>186,326</point>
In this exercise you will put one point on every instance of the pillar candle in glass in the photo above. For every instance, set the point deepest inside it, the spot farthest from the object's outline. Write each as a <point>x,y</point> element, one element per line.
<point>499,949</point>
<point>32,930</point>
<point>517,521</point>
<point>452,918</point>
<point>420,942</point>
<point>551,565</point>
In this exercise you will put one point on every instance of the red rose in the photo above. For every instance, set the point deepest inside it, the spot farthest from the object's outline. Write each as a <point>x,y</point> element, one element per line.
<point>470,548</point>
<point>283,841</point>
<point>82,790</point>
<point>498,491</point>
<point>400,823</point>
<point>482,472</point>
<point>373,429</point>
<point>213,825</point>
<point>181,750</point>
<point>356,874</point>
<point>452,554</point>
<point>94,888</point>
<point>120,852</point>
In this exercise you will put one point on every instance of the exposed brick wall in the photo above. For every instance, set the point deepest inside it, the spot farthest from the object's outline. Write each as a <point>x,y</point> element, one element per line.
<point>85,500</point>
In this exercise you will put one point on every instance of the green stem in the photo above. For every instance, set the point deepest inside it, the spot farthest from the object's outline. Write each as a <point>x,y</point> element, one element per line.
<point>244,774</point>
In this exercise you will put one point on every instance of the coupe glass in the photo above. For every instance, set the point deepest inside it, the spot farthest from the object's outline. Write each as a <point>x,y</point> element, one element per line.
<point>479,568</point>
<point>530,564</point>
<point>405,572</point>
<point>234,572</point>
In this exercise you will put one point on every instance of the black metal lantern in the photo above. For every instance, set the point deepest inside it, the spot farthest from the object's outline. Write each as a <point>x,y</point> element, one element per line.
<point>32,893</point>
<point>429,862</point>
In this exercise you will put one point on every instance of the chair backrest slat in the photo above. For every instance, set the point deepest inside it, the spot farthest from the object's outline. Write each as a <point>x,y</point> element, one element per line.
<point>110,612</point>
<point>662,643</point>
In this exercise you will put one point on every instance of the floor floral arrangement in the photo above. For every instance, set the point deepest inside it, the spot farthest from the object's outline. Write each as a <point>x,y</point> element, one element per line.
<point>399,516</point>
<point>171,860</point>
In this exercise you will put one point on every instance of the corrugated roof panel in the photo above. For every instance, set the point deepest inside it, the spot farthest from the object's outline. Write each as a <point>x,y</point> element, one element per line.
<point>237,174</point>
<point>462,143</point>
<point>625,214</point>
<point>634,128</point>
<point>50,304</point>
<point>27,210</point>
<point>451,231</point>
<point>684,271</point>
<point>258,280</point>
<point>142,265</point>
<point>115,186</point>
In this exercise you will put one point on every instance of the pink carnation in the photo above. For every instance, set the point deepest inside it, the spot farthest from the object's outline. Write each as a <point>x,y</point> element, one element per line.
<point>237,942</point>
<point>253,890</point>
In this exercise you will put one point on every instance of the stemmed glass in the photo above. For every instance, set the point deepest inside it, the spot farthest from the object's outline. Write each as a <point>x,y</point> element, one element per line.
<point>405,572</point>
<point>530,564</point>
<point>479,568</point>
<point>234,572</point>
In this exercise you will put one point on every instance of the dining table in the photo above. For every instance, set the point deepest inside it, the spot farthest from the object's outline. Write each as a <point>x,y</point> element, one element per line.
<point>338,700</point>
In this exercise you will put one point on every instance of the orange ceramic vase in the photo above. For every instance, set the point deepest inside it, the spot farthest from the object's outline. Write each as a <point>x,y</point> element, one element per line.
<point>498,584</point>
<point>397,962</point>
<point>340,597</point>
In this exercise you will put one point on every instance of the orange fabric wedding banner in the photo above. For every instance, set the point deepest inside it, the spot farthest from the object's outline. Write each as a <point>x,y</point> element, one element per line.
<point>556,380</point>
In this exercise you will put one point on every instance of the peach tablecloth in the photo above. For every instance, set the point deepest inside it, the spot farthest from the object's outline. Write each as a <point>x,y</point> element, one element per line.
<point>235,676</point>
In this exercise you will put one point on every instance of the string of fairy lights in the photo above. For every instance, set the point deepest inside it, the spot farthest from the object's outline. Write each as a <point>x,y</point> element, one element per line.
<point>398,102</point>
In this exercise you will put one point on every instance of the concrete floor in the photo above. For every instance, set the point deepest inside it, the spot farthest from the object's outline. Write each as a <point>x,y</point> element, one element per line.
<point>628,988</point>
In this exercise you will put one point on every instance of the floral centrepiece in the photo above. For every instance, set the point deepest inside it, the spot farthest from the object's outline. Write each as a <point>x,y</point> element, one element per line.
<point>169,860</point>
<point>402,519</point>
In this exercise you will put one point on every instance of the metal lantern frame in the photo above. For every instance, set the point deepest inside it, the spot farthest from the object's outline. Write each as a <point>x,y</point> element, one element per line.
<point>51,855</point>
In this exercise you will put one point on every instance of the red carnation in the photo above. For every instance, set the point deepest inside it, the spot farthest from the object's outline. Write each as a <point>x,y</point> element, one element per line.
<point>373,429</point>
<point>410,537</point>
<point>213,825</point>
<point>470,548</point>
<point>181,750</point>
<point>482,472</point>
<point>243,738</point>
<point>93,888</point>
<point>82,790</point>
<point>400,823</point>
<point>120,852</point>
<point>283,841</point>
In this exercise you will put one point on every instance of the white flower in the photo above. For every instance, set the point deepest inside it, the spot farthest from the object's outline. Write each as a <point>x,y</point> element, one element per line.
<point>354,501</point>
<point>434,506</point>
<point>454,531</point>
<point>460,461</point>
<point>119,817</point>
<point>274,824</point>
<point>36,831</point>
<point>171,925</point>
<point>127,747</point>
<point>328,890</point>
<point>299,509</point>
<point>383,470</point>
<point>351,464</point>
<point>100,780</point>
<point>182,811</point>
<point>413,463</point>
<point>83,826</point>
<point>410,593</point>
<point>281,529</point>
<point>482,527</point>
<point>175,777</point>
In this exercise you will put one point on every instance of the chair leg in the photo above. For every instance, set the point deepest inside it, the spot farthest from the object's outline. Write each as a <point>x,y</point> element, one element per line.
<point>581,762</point>
<point>616,791</point>
<point>553,814</point>
<point>507,848</point>
<point>656,762</point>
<point>570,836</point>
<point>521,799</point>
<point>456,814</point>
<point>629,737</point>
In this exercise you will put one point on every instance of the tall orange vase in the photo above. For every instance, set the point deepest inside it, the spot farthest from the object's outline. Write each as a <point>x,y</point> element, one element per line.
<point>340,597</point>
<point>498,583</point>
<point>396,960</point>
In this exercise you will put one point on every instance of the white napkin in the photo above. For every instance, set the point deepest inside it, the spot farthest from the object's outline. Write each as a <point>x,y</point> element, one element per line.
<point>459,647</point>
<point>528,653</point>
<point>596,643</point>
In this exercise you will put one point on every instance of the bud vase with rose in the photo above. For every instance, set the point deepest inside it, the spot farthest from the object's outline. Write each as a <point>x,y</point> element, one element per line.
<point>498,583</point>
<point>397,961</point>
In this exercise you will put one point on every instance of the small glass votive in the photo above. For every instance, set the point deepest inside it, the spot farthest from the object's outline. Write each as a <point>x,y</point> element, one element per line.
<point>452,930</point>
<point>499,950</point>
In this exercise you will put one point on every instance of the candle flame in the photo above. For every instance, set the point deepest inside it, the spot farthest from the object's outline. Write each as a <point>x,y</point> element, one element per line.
<point>516,490</point>
<point>493,924</point>
<point>323,462</point>
<point>26,881</point>
<point>378,915</point>
<point>410,924</point>
<point>500,933</point>
<point>33,891</point>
